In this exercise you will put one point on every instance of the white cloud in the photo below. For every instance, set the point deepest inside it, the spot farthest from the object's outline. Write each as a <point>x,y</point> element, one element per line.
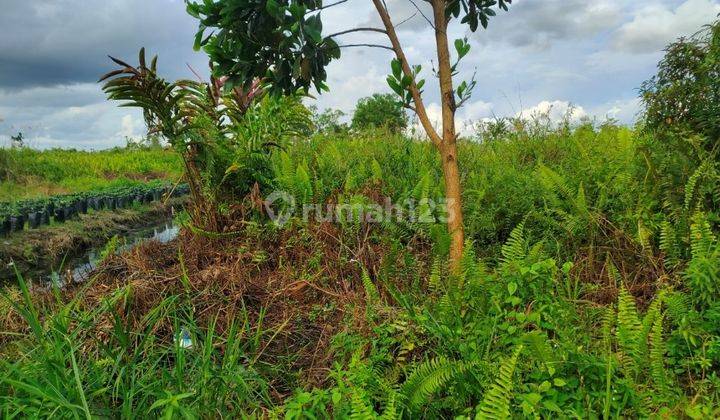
<point>555,111</point>
<point>128,126</point>
<point>623,110</point>
<point>656,25</point>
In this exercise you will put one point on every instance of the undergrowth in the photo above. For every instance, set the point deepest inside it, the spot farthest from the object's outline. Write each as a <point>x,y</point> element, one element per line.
<point>589,289</point>
<point>27,173</point>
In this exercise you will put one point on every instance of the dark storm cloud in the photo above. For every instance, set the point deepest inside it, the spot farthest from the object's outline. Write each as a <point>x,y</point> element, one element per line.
<point>533,23</point>
<point>53,42</point>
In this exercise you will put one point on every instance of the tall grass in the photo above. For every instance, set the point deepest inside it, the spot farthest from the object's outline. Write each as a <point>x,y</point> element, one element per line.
<point>60,369</point>
<point>565,306</point>
<point>28,173</point>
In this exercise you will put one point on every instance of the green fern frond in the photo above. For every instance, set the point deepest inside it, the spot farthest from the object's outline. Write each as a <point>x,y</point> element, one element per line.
<point>691,185</point>
<point>702,238</point>
<point>371,292</point>
<point>390,412</point>
<point>360,410</point>
<point>628,330</point>
<point>514,247</point>
<point>377,174</point>
<point>435,280</point>
<point>613,273</point>
<point>648,321</point>
<point>669,244</point>
<point>496,403</point>
<point>657,358</point>
<point>429,378</point>
<point>678,305</point>
<point>539,346</point>
<point>554,181</point>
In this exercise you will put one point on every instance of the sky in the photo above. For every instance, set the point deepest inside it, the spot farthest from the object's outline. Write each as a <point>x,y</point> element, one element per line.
<point>585,58</point>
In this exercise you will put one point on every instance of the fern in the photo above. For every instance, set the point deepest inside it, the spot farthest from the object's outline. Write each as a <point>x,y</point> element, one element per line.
<point>377,174</point>
<point>702,238</point>
<point>608,322</point>
<point>360,409</point>
<point>428,378</point>
<point>669,244</point>
<point>657,358</point>
<point>496,403</point>
<point>371,293</point>
<point>692,182</point>
<point>434,282</point>
<point>514,247</point>
<point>612,271</point>
<point>391,408</point>
<point>629,330</point>
<point>678,305</point>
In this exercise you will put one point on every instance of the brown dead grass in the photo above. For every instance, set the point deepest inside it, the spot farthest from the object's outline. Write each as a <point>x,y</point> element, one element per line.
<point>639,270</point>
<point>307,281</point>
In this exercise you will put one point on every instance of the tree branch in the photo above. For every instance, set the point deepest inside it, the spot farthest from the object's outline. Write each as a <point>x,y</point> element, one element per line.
<point>414,91</point>
<point>366,45</point>
<point>423,14</point>
<point>382,31</point>
<point>329,5</point>
<point>406,19</point>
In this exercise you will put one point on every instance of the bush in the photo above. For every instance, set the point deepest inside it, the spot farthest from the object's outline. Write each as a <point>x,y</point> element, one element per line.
<point>685,93</point>
<point>379,110</point>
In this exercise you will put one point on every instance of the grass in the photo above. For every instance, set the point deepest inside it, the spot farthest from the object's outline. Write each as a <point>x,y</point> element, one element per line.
<point>28,173</point>
<point>565,306</point>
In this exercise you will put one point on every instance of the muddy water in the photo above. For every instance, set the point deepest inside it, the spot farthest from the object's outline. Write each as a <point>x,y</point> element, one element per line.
<point>79,269</point>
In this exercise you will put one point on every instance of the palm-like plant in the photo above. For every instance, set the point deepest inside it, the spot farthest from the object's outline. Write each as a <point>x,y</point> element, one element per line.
<point>208,124</point>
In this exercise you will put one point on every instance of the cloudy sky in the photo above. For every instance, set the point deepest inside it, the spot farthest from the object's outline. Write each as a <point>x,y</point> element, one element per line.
<point>543,54</point>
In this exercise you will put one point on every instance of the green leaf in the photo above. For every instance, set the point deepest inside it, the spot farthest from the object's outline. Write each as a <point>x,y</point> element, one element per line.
<point>273,8</point>
<point>396,68</point>
<point>394,85</point>
<point>545,386</point>
<point>512,288</point>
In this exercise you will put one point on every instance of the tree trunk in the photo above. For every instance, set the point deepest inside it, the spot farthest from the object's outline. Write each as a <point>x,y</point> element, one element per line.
<point>445,143</point>
<point>454,204</point>
<point>448,148</point>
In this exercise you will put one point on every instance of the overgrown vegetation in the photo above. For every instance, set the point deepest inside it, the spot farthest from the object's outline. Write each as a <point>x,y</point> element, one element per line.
<point>588,285</point>
<point>380,111</point>
<point>27,173</point>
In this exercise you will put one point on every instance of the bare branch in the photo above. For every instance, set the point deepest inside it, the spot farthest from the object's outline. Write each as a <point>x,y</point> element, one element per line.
<point>366,45</point>
<point>329,5</point>
<point>406,19</point>
<point>382,31</point>
<point>423,14</point>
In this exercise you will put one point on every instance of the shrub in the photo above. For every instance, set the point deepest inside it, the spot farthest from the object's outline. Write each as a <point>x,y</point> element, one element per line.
<point>380,110</point>
<point>685,93</point>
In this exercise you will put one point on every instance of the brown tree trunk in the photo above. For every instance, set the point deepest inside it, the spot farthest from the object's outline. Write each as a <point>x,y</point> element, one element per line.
<point>445,143</point>
<point>448,149</point>
<point>453,204</point>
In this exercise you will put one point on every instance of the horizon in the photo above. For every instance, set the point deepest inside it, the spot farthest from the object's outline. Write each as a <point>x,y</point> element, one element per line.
<point>592,57</point>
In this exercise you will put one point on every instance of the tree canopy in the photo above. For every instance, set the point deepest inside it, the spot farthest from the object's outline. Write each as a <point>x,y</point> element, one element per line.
<point>281,41</point>
<point>685,93</point>
<point>380,110</point>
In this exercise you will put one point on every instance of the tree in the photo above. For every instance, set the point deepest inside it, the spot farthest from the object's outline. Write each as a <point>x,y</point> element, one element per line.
<point>685,93</point>
<point>380,110</point>
<point>328,121</point>
<point>281,41</point>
